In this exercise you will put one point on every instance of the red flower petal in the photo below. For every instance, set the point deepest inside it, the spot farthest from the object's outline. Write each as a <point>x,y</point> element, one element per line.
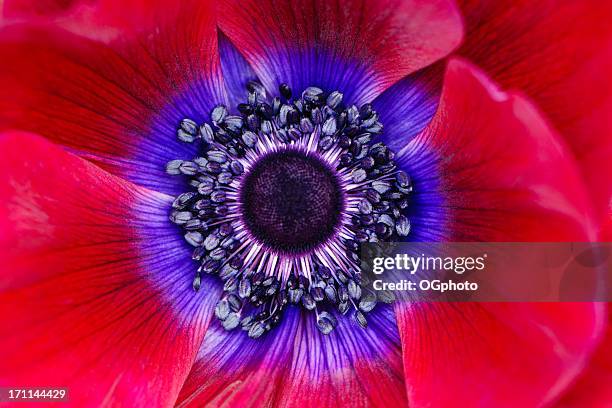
<point>491,169</point>
<point>502,355</point>
<point>239,371</point>
<point>560,54</point>
<point>606,235</point>
<point>358,47</point>
<point>29,8</point>
<point>297,366</point>
<point>95,291</point>
<point>593,386</point>
<point>502,176</point>
<point>118,99</point>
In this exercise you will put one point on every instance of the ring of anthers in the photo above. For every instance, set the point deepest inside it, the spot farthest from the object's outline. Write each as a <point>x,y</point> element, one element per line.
<point>282,195</point>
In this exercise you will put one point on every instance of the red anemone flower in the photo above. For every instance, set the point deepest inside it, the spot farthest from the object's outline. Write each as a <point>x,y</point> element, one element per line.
<point>185,186</point>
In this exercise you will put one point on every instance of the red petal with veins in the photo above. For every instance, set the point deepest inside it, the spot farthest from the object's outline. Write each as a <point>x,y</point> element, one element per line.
<point>118,97</point>
<point>493,169</point>
<point>560,54</point>
<point>357,47</point>
<point>504,177</point>
<point>592,388</point>
<point>95,291</point>
<point>295,365</point>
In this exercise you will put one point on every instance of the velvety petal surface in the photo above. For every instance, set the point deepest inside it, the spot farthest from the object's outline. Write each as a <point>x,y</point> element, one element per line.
<point>296,366</point>
<point>357,47</point>
<point>27,8</point>
<point>408,106</point>
<point>95,283</point>
<point>592,388</point>
<point>118,95</point>
<point>492,169</point>
<point>502,355</point>
<point>560,54</point>
<point>489,168</point>
<point>236,71</point>
<point>233,369</point>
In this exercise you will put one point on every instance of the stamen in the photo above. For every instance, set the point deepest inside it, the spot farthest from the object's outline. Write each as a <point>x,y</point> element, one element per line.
<point>283,194</point>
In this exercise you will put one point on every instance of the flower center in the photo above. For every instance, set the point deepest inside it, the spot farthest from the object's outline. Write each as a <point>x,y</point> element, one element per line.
<point>282,195</point>
<point>291,202</point>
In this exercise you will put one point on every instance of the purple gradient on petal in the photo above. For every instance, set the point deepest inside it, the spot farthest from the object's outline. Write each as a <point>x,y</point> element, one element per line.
<point>147,166</point>
<point>233,349</point>
<point>166,259</point>
<point>349,341</point>
<point>347,344</point>
<point>301,69</point>
<point>407,107</point>
<point>236,71</point>
<point>428,215</point>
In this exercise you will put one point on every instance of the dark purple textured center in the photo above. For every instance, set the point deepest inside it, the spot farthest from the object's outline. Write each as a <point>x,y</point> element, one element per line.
<point>292,202</point>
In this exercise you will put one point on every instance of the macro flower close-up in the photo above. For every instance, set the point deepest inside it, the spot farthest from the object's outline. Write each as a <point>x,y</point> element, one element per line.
<point>186,188</point>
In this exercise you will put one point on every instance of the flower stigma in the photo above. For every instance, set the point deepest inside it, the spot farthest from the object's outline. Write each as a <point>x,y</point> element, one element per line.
<point>279,199</point>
